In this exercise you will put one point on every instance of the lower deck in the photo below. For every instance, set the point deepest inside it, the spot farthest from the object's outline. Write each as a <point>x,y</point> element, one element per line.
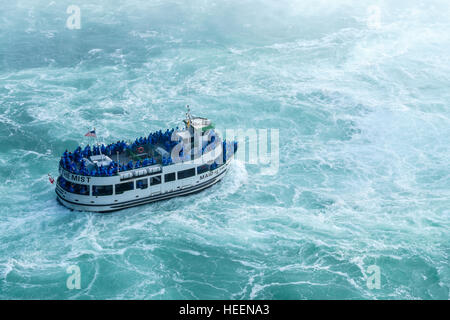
<point>141,190</point>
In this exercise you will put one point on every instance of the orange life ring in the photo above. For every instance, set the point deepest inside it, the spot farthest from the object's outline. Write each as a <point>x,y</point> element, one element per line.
<point>140,149</point>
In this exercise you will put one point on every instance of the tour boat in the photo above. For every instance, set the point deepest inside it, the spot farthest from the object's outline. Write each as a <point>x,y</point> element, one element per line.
<point>106,178</point>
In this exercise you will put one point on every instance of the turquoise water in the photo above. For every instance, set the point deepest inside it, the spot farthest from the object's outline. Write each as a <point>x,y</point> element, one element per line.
<point>359,94</point>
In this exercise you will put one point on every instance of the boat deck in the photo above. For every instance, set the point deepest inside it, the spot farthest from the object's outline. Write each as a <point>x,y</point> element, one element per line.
<point>149,151</point>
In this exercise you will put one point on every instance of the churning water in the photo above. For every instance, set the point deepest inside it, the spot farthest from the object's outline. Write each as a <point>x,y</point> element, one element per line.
<point>359,91</point>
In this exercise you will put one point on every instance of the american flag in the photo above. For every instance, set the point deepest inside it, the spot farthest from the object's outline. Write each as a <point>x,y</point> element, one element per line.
<point>91,134</point>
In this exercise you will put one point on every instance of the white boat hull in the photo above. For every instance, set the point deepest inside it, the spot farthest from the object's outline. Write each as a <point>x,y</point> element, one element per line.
<point>136,197</point>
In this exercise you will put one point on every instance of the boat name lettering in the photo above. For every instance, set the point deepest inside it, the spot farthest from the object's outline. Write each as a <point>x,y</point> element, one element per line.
<point>76,178</point>
<point>208,174</point>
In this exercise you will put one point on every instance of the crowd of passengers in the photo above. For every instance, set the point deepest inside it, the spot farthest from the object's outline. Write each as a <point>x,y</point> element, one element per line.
<point>112,169</point>
<point>73,161</point>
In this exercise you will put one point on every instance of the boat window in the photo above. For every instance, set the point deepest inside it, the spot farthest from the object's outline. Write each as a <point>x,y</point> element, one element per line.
<point>155,180</point>
<point>63,183</point>
<point>169,177</point>
<point>81,189</point>
<point>186,173</point>
<point>102,190</point>
<point>202,169</point>
<point>126,186</point>
<point>142,184</point>
<point>73,187</point>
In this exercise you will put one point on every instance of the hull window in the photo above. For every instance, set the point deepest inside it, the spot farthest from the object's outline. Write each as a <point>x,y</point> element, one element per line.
<point>73,187</point>
<point>122,187</point>
<point>155,180</point>
<point>186,173</point>
<point>102,190</point>
<point>142,184</point>
<point>202,169</point>
<point>169,177</point>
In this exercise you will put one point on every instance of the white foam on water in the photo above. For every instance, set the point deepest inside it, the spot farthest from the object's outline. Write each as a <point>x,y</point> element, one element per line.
<point>363,120</point>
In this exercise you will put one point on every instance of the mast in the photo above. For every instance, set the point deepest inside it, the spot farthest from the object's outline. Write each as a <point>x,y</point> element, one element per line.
<point>188,116</point>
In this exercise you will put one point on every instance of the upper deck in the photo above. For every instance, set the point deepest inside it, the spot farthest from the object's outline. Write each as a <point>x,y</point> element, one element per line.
<point>157,150</point>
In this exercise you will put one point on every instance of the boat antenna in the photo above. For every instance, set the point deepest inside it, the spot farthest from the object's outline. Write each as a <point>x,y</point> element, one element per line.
<point>188,113</point>
<point>188,116</point>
